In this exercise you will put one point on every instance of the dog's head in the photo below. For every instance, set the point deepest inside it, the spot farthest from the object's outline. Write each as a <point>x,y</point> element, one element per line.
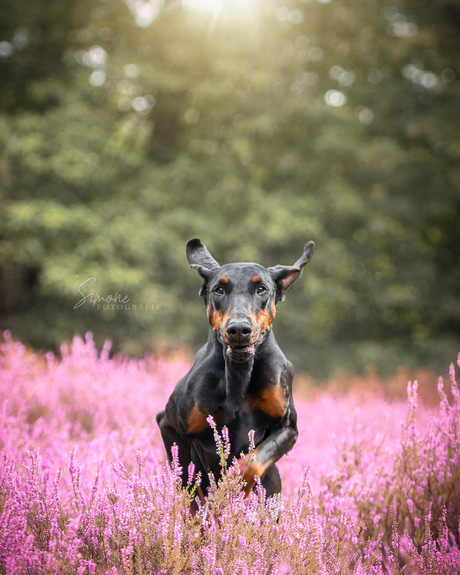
<point>241,297</point>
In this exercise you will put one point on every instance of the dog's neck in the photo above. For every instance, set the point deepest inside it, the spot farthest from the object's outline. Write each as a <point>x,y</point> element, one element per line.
<point>237,379</point>
<point>237,375</point>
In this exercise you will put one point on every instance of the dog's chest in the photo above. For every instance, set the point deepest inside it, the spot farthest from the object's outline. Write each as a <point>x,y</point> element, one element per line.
<point>260,409</point>
<point>269,401</point>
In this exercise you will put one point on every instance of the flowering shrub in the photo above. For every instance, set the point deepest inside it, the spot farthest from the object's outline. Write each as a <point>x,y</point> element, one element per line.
<point>85,487</point>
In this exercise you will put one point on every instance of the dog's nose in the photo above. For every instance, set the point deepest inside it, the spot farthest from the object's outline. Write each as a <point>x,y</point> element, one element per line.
<point>239,331</point>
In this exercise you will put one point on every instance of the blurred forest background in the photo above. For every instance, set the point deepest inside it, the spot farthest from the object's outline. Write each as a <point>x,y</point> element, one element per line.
<point>128,127</point>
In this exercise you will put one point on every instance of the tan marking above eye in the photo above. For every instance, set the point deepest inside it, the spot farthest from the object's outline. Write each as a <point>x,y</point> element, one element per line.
<point>224,279</point>
<point>196,421</point>
<point>256,278</point>
<point>271,401</point>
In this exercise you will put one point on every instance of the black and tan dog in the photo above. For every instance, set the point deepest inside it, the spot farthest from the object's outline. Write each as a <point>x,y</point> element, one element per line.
<point>240,376</point>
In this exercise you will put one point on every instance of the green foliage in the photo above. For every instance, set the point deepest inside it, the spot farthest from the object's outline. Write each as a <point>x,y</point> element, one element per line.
<point>120,142</point>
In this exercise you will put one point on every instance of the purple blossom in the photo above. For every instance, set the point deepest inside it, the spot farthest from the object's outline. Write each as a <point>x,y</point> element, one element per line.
<point>85,486</point>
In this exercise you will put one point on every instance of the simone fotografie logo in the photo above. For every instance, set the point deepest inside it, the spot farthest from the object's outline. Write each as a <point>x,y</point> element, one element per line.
<point>112,301</point>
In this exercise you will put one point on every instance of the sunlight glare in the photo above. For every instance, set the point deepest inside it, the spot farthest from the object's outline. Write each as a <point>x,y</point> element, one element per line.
<point>145,11</point>
<point>246,9</point>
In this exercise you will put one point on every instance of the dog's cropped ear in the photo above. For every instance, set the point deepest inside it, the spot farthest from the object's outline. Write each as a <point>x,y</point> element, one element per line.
<point>200,259</point>
<point>285,276</point>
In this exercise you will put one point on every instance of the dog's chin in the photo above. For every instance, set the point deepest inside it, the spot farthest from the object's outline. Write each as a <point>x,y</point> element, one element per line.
<point>240,354</point>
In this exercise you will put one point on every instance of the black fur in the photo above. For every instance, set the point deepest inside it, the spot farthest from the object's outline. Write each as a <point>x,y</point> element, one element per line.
<point>240,376</point>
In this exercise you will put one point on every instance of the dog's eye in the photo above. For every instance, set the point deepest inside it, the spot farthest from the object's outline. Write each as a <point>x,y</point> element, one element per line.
<point>219,290</point>
<point>261,289</point>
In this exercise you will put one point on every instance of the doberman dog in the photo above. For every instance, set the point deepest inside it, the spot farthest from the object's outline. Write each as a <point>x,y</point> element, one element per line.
<point>240,376</point>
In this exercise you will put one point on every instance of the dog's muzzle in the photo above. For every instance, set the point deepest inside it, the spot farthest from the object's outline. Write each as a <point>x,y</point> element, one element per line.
<point>240,340</point>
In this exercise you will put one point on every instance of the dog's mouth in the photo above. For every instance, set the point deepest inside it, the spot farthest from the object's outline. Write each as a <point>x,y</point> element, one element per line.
<point>241,349</point>
<point>240,354</point>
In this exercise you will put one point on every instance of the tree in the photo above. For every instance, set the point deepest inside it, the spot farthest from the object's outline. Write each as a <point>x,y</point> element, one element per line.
<point>305,120</point>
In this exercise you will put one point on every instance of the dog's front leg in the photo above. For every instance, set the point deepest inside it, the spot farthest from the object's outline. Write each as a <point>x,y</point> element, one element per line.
<point>172,437</point>
<point>275,445</point>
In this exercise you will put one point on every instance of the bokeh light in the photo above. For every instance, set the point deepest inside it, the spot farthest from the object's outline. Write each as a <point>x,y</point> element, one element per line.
<point>335,98</point>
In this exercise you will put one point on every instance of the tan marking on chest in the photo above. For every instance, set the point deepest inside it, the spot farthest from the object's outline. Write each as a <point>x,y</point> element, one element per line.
<point>271,401</point>
<point>196,421</point>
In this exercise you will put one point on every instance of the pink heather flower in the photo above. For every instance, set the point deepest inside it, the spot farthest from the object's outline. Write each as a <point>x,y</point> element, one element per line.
<point>212,423</point>
<point>226,438</point>
<point>251,434</point>
<point>410,505</point>
<point>176,467</point>
<point>121,499</point>
<point>377,518</point>
<point>441,386</point>
<point>283,569</point>
<point>139,459</point>
<point>190,473</point>
<point>428,513</point>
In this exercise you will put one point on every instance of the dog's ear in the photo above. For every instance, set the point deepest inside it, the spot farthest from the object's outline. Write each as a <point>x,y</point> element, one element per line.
<point>285,276</point>
<point>200,259</point>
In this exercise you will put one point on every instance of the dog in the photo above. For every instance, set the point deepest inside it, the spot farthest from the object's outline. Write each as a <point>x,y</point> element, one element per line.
<point>240,377</point>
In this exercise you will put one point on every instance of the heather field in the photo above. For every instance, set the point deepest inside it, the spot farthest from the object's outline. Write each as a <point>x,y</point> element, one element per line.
<point>371,487</point>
